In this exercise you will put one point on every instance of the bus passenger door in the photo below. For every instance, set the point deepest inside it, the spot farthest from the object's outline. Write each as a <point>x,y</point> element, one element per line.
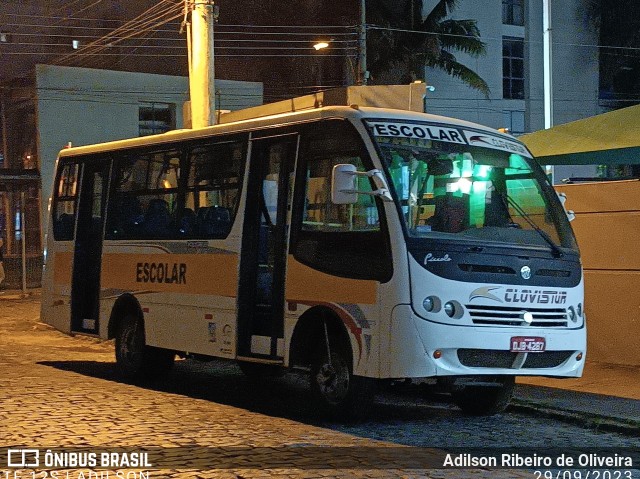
<point>264,248</point>
<point>85,286</point>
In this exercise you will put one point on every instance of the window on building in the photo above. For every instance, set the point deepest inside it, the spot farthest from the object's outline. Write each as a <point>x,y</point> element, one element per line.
<point>513,68</point>
<point>513,121</point>
<point>156,118</point>
<point>513,12</point>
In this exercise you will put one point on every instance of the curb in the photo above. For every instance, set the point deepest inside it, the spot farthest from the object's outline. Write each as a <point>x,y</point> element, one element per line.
<point>599,422</point>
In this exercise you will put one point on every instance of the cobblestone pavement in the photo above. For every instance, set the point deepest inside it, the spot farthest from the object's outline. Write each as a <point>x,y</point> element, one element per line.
<point>210,422</point>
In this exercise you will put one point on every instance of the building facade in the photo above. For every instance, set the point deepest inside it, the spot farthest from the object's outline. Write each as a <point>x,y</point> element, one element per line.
<point>56,107</point>
<point>513,69</point>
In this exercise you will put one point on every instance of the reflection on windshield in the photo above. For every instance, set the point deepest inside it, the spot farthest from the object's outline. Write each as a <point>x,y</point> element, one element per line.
<point>449,189</point>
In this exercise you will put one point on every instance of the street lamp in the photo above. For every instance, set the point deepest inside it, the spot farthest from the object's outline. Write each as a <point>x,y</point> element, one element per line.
<point>319,46</point>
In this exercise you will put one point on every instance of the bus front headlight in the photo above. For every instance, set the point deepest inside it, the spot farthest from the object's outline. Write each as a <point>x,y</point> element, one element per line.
<point>431,304</point>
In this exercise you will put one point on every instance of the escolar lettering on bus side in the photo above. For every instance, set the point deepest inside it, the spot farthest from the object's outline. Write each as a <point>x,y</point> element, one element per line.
<point>175,273</point>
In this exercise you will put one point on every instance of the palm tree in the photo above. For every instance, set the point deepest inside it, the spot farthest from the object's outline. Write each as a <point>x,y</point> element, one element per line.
<point>401,42</point>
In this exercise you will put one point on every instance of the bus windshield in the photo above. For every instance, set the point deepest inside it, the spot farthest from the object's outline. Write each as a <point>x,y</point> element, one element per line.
<point>454,188</point>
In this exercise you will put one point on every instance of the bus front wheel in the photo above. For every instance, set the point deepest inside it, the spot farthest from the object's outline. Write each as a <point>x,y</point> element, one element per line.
<point>336,391</point>
<point>485,400</point>
<point>136,360</point>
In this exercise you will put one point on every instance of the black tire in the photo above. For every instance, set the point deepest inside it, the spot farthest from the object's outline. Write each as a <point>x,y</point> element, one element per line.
<point>134,359</point>
<point>336,391</point>
<point>485,400</point>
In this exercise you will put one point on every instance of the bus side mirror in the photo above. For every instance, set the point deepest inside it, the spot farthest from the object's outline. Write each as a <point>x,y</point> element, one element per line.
<point>344,185</point>
<point>570,214</point>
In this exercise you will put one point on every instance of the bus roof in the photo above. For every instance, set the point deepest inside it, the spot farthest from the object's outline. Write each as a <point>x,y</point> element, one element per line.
<point>283,119</point>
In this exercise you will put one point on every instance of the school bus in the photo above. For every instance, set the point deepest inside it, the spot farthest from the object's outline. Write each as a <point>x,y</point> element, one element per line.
<point>356,244</point>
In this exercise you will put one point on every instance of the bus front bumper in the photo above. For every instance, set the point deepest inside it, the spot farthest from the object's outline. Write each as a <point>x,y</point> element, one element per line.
<point>422,348</point>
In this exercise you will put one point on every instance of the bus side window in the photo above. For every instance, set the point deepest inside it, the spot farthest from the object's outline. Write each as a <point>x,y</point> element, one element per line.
<point>323,215</point>
<point>65,203</point>
<point>213,187</point>
<point>345,240</point>
<point>145,196</point>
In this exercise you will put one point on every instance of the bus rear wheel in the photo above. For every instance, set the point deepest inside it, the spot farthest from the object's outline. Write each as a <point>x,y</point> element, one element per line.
<point>485,400</point>
<point>136,360</point>
<point>336,391</point>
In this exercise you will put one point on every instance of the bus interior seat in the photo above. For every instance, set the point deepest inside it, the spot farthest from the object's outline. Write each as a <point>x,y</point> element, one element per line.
<point>157,218</point>
<point>214,222</point>
<point>201,215</point>
<point>129,215</point>
<point>187,222</point>
<point>451,214</point>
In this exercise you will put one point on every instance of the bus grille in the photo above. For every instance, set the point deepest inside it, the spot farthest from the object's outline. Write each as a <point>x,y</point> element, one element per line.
<point>509,316</point>
<point>488,358</point>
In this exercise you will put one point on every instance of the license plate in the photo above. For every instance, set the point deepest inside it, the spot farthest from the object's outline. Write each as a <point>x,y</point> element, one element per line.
<point>526,344</point>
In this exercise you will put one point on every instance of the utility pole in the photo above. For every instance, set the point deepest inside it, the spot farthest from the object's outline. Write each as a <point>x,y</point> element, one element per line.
<point>547,68</point>
<point>548,73</point>
<point>201,63</point>
<point>362,45</point>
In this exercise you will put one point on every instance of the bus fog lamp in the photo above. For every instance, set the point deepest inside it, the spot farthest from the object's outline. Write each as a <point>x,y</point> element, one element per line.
<point>437,354</point>
<point>428,304</point>
<point>450,309</point>
<point>453,309</point>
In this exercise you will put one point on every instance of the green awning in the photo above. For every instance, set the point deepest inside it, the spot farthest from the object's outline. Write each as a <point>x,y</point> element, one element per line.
<point>612,138</point>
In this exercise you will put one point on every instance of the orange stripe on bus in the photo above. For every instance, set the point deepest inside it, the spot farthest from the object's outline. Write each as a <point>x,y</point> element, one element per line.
<point>62,268</point>
<point>307,284</point>
<point>215,274</point>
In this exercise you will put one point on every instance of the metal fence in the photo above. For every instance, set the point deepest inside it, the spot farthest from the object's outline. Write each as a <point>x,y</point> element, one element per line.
<point>22,249</point>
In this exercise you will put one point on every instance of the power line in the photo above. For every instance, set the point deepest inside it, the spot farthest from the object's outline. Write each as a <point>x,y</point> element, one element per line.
<point>218,40</point>
<point>220,28</point>
<point>585,45</point>
<point>248,25</point>
<point>176,55</point>
<point>143,23</point>
<point>53,17</point>
<point>85,8</point>
<point>183,47</point>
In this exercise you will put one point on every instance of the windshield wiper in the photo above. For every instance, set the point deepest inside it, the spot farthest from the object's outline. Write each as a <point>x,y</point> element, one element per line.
<point>555,249</point>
